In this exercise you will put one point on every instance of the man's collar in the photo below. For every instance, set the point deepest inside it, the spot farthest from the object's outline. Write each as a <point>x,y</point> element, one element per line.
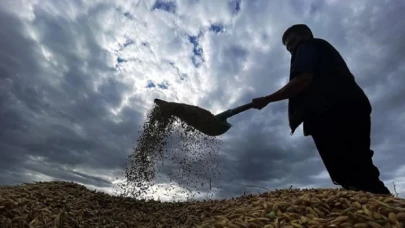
<point>299,43</point>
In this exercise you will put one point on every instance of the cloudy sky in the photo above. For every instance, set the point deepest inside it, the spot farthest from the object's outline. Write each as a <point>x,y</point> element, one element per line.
<point>78,77</point>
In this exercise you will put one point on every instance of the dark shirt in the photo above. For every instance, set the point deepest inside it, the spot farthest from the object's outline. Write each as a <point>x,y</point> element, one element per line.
<point>305,61</point>
<point>333,88</point>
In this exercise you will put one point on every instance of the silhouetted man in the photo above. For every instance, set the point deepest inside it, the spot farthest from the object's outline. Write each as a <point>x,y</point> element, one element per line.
<point>323,95</point>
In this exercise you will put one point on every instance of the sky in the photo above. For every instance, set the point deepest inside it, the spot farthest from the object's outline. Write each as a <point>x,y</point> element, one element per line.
<point>77,79</point>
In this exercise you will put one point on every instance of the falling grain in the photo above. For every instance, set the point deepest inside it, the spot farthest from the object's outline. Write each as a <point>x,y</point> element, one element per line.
<point>169,146</point>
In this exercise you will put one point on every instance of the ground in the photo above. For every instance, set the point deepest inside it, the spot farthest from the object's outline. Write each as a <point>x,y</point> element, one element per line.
<point>67,204</point>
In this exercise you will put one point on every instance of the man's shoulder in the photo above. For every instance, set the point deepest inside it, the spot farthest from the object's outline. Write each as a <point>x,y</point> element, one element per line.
<point>316,41</point>
<point>311,44</point>
<point>318,44</point>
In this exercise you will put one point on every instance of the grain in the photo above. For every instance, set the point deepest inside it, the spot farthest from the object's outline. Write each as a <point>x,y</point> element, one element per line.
<point>317,208</point>
<point>169,147</point>
<point>67,204</point>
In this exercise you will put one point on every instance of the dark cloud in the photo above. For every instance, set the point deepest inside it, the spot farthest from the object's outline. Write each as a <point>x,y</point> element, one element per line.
<point>265,157</point>
<point>63,116</point>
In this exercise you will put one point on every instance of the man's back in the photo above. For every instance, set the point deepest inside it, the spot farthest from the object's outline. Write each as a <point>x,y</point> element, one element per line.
<point>336,79</point>
<point>332,89</point>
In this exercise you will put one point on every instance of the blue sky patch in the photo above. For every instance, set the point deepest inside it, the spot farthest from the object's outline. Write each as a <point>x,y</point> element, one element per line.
<point>217,28</point>
<point>128,15</point>
<point>128,42</point>
<point>196,49</point>
<point>165,6</point>
<point>235,6</point>
<point>120,60</point>
<point>150,84</point>
<point>197,58</point>
<point>183,76</point>
<point>163,85</point>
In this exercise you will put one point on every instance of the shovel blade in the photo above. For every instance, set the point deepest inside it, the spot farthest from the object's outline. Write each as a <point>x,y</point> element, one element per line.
<point>196,117</point>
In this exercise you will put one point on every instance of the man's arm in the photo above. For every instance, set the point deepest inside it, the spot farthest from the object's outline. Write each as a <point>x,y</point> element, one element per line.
<point>292,88</point>
<point>302,75</point>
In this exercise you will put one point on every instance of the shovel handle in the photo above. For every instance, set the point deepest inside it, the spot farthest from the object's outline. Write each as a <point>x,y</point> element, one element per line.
<point>231,112</point>
<point>241,108</point>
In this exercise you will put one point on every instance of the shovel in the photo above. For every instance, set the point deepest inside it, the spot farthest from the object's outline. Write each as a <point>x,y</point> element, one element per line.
<point>201,119</point>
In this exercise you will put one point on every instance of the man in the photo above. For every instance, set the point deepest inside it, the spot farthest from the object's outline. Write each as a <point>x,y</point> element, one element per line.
<point>323,95</point>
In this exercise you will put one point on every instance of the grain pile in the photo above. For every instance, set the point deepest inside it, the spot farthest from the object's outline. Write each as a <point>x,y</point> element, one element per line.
<point>170,147</point>
<point>65,204</point>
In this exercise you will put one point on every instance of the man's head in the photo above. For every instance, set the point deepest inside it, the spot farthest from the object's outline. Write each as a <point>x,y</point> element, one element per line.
<point>294,34</point>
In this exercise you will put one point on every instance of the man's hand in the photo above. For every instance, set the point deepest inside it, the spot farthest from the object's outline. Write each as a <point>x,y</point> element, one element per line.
<point>294,87</point>
<point>260,102</point>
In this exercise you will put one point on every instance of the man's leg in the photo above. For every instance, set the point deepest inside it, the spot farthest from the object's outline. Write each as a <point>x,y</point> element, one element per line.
<point>343,142</point>
<point>365,173</point>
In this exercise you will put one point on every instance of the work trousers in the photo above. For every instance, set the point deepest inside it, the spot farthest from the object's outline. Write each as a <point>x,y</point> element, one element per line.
<point>343,142</point>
